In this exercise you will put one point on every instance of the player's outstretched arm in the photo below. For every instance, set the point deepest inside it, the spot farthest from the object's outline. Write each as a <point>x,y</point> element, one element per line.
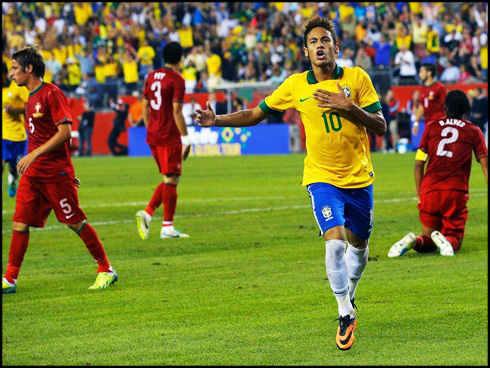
<point>243,118</point>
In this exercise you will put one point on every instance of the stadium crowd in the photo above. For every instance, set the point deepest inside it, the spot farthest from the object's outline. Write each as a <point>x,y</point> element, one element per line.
<point>102,50</point>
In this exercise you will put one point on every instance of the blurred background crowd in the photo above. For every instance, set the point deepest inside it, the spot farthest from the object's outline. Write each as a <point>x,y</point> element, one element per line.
<point>103,50</point>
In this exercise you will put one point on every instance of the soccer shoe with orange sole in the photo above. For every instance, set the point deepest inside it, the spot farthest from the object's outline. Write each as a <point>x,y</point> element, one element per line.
<point>345,332</point>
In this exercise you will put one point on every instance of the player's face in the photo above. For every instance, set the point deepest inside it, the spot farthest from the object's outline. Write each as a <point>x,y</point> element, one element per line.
<point>17,75</point>
<point>320,47</point>
<point>422,74</point>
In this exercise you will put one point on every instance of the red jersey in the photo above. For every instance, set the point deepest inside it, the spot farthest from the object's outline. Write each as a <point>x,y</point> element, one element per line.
<point>432,99</point>
<point>163,87</point>
<point>449,144</point>
<point>47,107</point>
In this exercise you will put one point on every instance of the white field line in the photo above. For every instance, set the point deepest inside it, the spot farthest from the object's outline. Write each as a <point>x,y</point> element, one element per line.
<point>222,213</point>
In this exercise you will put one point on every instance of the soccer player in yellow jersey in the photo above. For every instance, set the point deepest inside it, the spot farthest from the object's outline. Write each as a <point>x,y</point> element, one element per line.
<point>14,136</point>
<point>336,106</point>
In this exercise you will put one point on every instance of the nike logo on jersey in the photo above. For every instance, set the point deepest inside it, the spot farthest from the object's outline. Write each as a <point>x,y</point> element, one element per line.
<point>304,99</point>
<point>67,217</point>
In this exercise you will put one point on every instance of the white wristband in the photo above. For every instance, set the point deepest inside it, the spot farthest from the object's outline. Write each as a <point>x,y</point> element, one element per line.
<point>186,141</point>
<point>415,123</point>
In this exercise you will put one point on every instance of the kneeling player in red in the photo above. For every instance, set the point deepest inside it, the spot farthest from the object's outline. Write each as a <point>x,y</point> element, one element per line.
<point>442,191</point>
<point>48,177</point>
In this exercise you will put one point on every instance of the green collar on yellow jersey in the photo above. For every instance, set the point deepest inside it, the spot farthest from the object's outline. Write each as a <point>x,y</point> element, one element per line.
<point>338,73</point>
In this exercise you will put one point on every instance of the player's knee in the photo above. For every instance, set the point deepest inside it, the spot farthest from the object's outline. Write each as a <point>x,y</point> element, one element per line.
<point>171,179</point>
<point>76,227</point>
<point>19,226</point>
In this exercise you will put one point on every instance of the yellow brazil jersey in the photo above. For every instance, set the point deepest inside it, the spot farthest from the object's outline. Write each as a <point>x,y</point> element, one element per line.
<point>337,149</point>
<point>13,126</point>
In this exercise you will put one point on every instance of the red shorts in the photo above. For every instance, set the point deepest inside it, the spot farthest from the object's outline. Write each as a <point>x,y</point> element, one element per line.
<point>168,158</point>
<point>444,210</point>
<point>35,201</point>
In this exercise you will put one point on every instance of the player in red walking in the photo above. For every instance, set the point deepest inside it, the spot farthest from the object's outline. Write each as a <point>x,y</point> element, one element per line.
<point>48,177</point>
<point>442,191</point>
<point>163,98</point>
<point>432,97</point>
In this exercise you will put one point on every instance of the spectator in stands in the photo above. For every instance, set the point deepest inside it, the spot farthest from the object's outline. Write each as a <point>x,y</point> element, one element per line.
<point>433,41</point>
<point>229,67</point>
<point>406,60</point>
<point>130,69</point>
<point>217,105</point>
<point>479,109</point>
<point>363,60</point>
<point>419,35</point>
<point>146,54</point>
<point>93,91</point>
<point>450,73</point>
<point>383,50</point>
<point>413,105</point>
<point>392,122</point>
<point>53,69</point>
<point>385,108</point>
<point>189,73</point>
<point>86,60</point>
<point>213,63</point>
<point>85,130</point>
<point>189,111</point>
<point>345,59</point>
<point>118,126</point>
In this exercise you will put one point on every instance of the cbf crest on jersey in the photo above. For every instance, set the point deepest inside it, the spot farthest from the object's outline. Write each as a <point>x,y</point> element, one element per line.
<point>346,89</point>
<point>327,213</point>
<point>38,113</point>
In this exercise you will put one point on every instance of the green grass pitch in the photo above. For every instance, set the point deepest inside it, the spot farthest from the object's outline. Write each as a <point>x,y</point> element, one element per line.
<point>249,286</point>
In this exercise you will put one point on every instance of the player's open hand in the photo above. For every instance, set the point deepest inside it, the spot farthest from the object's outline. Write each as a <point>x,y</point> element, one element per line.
<point>415,129</point>
<point>25,162</point>
<point>337,101</point>
<point>207,117</point>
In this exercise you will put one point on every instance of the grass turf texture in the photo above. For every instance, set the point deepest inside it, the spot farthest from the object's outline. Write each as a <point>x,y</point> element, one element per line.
<point>249,287</point>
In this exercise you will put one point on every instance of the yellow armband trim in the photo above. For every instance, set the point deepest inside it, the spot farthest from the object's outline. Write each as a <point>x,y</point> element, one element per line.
<point>421,155</point>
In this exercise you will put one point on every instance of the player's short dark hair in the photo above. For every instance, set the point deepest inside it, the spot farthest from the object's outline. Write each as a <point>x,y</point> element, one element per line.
<point>5,69</point>
<point>457,105</point>
<point>172,53</point>
<point>430,68</point>
<point>30,56</point>
<point>317,21</point>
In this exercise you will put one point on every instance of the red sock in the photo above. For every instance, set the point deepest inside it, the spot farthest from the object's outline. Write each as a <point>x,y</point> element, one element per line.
<point>18,248</point>
<point>169,199</point>
<point>94,246</point>
<point>424,244</point>
<point>155,201</point>
<point>454,242</point>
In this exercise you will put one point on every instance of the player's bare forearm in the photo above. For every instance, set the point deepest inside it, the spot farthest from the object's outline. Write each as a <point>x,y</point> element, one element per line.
<point>63,135</point>
<point>419,113</point>
<point>419,175</point>
<point>180,122</point>
<point>484,167</point>
<point>146,111</point>
<point>375,122</point>
<point>179,118</point>
<point>243,118</point>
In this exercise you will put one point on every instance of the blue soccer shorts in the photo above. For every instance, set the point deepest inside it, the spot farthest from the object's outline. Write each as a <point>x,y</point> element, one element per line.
<point>351,208</point>
<point>12,151</point>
